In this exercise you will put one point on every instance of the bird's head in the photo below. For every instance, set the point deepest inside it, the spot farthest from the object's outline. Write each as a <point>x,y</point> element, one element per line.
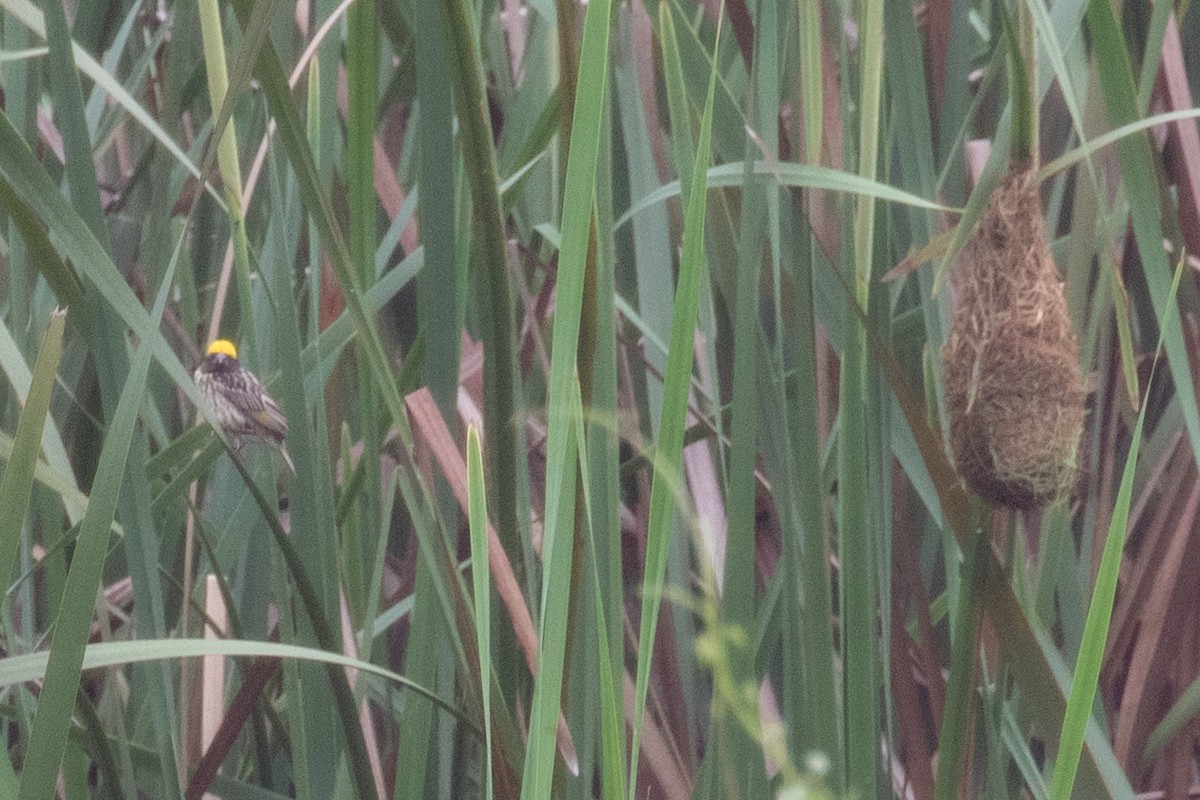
<point>221,354</point>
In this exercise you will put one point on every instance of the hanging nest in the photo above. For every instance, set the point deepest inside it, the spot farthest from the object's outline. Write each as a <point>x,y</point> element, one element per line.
<point>1011,365</point>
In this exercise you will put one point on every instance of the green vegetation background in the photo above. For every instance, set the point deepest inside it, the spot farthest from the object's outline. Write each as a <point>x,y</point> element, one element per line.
<point>634,254</point>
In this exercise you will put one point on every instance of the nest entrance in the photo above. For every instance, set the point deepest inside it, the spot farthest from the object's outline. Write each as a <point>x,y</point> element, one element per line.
<point>1013,386</point>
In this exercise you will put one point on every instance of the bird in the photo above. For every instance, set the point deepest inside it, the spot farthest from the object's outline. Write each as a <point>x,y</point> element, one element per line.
<point>238,400</point>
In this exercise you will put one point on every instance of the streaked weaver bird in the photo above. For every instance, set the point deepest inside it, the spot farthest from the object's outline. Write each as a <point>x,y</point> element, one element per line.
<point>238,400</point>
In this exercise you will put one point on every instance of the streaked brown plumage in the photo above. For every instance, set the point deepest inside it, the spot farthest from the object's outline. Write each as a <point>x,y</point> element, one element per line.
<point>238,400</point>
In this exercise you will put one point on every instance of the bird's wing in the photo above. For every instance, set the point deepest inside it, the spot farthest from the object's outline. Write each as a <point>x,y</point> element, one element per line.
<point>258,405</point>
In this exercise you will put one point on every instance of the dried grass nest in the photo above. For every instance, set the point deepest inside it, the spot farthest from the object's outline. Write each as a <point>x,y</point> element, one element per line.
<point>1013,386</point>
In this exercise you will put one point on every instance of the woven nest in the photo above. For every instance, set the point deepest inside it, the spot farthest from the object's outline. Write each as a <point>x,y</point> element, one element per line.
<point>1011,365</point>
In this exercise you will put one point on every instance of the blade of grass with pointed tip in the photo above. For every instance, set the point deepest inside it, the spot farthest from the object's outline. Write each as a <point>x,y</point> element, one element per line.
<point>57,698</point>
<point>669,448</point>
<point>17,483</point>
<point>560,473</point>
<point>20,669</point>
<point>803,176</point>
<point>1099,615</point>
<point>493,290</point>
<point>1179,715</point>
<point>1097,143</point>
<point>481,579</point>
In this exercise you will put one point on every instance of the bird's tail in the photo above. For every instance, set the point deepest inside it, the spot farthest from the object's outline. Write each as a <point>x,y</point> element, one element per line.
<point>283,452</point>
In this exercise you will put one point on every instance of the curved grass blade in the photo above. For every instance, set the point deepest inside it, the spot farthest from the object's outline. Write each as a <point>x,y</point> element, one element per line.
<point>1094,145</point>
<point>790,175</point>
<point>20,669</point>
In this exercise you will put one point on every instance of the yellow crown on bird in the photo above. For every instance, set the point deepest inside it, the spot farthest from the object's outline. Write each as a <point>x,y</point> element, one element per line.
<point>222,347</point>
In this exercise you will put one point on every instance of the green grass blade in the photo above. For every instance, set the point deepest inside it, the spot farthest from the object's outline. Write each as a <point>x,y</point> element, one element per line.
<point>16,670</point>
<point>28,181</point>
<point>811,76</point>
<point>1180,714</point>
<point>68,109</point>
<point>669,449</point>
<point>736,747</point>
<point>1138,173</point>
<point>362,85</point>
<point>960,689</point>
<point>739,584</point>
<point>1097,143</point>
<point>1099,615</point>
<point>57,462</point>
<point>17,483</point>
<point>859,557</point>
<point>48,737</point>
<point>602,487</point>
<point>33,19</point>
<point>612,738</point>
<point>787,174</point>
<point>538,777</point>
<point>481,578</point>
<point>439,284</point>
<point>560,473</point>
<point>493,290</point>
